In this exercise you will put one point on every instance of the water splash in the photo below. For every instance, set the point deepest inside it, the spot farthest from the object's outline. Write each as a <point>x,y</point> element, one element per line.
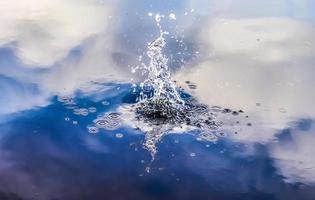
<point>161,108</point>
<point>158,75</point>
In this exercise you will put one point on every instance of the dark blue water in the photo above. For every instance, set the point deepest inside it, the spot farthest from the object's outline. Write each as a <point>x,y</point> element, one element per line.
<point>43,156</point>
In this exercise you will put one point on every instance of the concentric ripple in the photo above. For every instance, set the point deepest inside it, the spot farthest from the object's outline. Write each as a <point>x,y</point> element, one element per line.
<point>109,121</point>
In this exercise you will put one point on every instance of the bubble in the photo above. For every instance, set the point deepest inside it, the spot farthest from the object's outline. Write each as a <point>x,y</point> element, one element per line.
<point>81,111</point>
<point>216,108</point>
<point>105,103</point>
<point>208,136</point>
<point>70,107</point>
<point>192,86</point>
<point>119,135</point>
<point>192,154</point>
<point>67,119</point>
<point>92,129</point>
<point>150,14</point>
<point>66,100</point>
<point>221,134</point>
<point>75,122</point>
<point>226,110</point>
<point>92,109</point>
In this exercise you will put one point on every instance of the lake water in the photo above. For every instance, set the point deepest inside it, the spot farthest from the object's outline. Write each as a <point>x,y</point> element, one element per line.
<point>70,79</point>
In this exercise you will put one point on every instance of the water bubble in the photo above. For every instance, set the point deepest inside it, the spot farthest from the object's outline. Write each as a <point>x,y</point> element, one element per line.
<point>81,111</point>
<point>192,86</point>
<point>105,103</point>
<point>66,100</point>
<point>92,129</point>
<point>150,14</point>
<point>208,136</point>
<point>119,135</point>
<point>67,119</point>
<point>221,134</point>
<point>216,108</point>
<point>192,154</point>
<point>92,109</point>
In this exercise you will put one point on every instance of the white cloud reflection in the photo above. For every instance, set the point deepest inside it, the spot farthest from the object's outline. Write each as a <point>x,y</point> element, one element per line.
<point>257,52</point>
<point>46,36</point>
<point>294,158</point>
<point>269,61</point>
<point>42,32</point>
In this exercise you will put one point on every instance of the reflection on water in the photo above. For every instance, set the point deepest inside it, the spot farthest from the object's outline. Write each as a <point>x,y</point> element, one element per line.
<point>62,160</point>
<point>249,63</point>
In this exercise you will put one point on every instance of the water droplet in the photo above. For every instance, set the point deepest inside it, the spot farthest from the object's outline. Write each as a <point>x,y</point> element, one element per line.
<point>172,16</point>
<point>157,17</point>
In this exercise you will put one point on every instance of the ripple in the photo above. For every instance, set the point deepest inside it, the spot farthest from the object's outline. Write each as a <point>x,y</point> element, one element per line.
<point>110,121</point>
<point>105,103</point>
<point>92,129</point>
<point>92,109</point>
<point>208,136</point>
<point>66,100</point>
<point>81,111</point>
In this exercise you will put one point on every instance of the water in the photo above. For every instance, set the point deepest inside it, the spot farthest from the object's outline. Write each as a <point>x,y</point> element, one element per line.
<point>162,108</point>
<point>158,75</point>
<point>92,165</point>
<point>238,123</point>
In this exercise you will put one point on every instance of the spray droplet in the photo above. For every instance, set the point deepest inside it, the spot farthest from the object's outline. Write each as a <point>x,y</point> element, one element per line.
<point>172,16</point>
<point>157,17</point>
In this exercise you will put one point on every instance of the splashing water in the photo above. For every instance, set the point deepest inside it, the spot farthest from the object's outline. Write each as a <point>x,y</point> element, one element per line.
<point>159,77</point>
<point>161,110</point>
<point>161,107</point>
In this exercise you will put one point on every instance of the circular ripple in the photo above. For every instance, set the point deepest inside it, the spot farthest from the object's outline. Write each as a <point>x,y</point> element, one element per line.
<point>92,129</point>
<point>92,109</point>
<point>81,111</point>
<point>66,100</point>
<point>109,121</point>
